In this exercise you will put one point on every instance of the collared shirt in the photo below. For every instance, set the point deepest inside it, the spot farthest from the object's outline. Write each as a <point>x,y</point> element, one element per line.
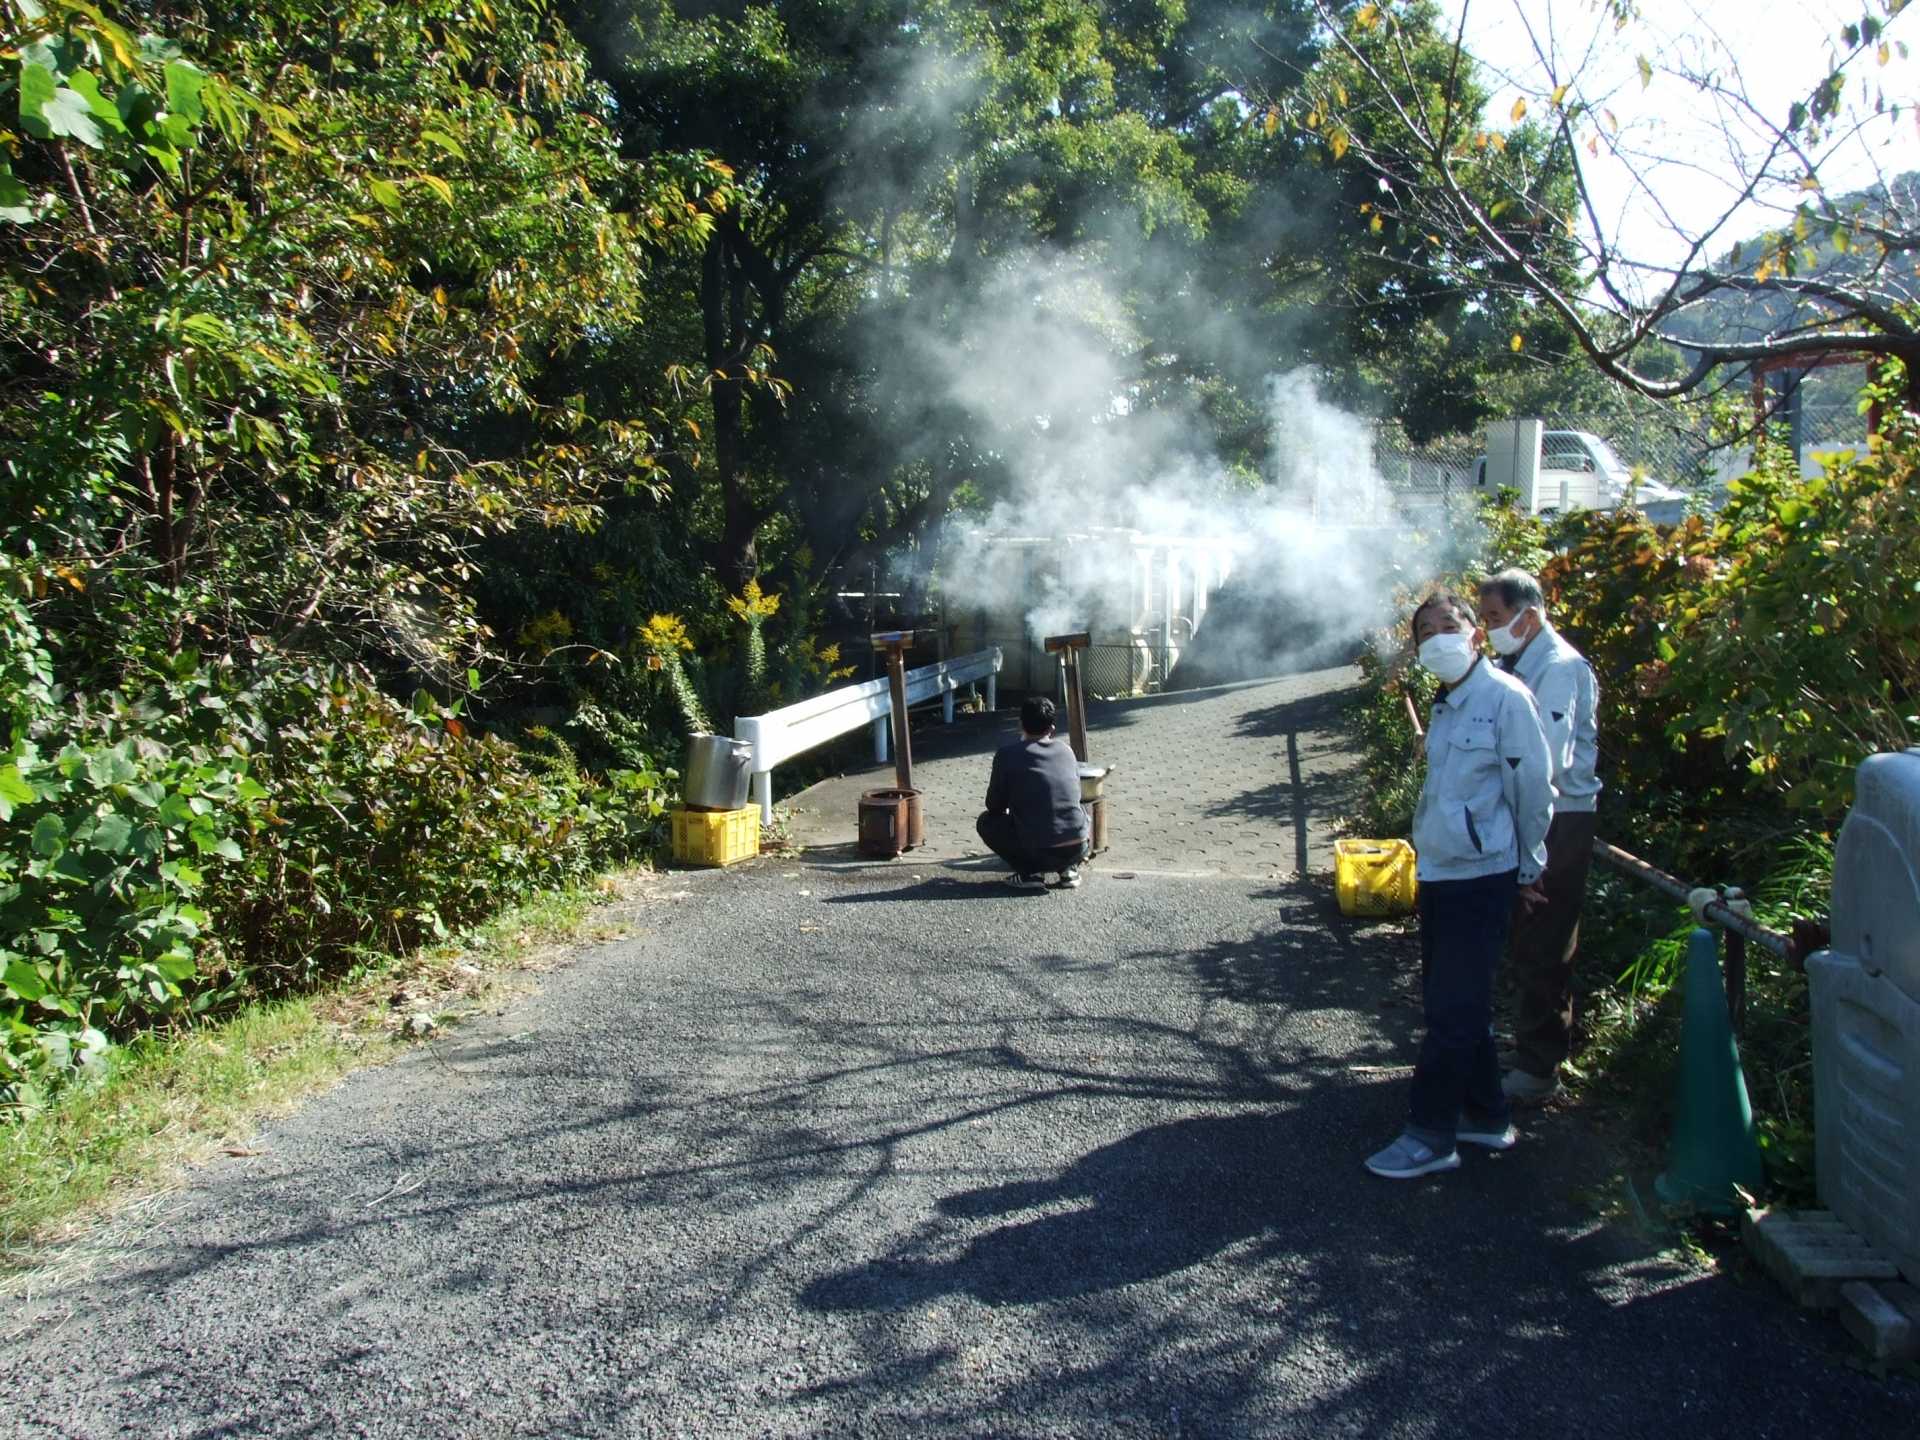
<point>1488,797</point>
<point>1568,698</point>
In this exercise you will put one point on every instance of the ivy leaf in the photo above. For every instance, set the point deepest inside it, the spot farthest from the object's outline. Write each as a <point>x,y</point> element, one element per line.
<point>49,836</point>
<point>113,834</point>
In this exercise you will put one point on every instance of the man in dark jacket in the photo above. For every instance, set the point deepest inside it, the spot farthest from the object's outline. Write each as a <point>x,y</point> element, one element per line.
<point>1034,820</point>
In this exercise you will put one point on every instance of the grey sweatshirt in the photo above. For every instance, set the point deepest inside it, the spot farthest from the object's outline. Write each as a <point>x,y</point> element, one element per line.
<point>1488,798</point>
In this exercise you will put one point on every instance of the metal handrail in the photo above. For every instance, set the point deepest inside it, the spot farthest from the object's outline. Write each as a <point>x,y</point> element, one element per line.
<point>1739,928</point>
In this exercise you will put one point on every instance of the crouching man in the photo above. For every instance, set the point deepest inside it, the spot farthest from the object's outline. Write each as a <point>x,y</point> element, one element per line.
<point>1034,819</point>
<point>1479,832</point>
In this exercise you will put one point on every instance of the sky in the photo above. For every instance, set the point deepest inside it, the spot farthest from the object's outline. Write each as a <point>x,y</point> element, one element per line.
<point>1776,48</point>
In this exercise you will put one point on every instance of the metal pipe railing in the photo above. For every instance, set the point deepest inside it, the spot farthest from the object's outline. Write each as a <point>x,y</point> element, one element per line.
<point>1739,928</point>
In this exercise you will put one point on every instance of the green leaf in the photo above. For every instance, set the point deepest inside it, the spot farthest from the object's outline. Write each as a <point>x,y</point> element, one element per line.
<point>16,203</point>
<point>38,86</point>
<point>387,193</point>
<point>113,834</point>
<point>438,186</point>
<point>184,83</point>
<point>25,981</point>
<point>228,848</point>
<point>49,835</point>
<point>1646,71</point>
<point>14,790</point>
<point>445,141</point>
<point>87,87</point>
<point>62,113</point>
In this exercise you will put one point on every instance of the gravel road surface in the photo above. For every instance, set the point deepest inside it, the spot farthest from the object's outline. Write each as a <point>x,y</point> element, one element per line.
<point>833,1151</point>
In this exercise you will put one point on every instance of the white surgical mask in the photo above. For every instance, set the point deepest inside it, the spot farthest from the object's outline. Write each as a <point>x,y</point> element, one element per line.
<point>1448,656</point>
<point>1504,641</point>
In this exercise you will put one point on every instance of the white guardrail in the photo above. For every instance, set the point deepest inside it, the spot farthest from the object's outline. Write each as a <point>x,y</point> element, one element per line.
<point>780,735</point>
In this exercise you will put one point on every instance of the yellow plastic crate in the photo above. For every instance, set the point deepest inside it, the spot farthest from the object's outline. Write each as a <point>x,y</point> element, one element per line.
<point>1374,877</point>
<point>716,837</point>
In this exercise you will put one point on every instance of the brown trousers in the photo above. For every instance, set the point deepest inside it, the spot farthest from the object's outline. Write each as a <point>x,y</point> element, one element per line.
<point>1541,949</point>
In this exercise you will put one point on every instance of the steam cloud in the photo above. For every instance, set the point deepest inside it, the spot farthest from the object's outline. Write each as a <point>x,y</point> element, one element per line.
<point>1049,368</point>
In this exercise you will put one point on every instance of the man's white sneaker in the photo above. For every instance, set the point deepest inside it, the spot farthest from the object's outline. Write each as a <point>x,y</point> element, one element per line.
<point>1486,1137</point>
<point>1526,1089</point>
<point>1408,1159</point>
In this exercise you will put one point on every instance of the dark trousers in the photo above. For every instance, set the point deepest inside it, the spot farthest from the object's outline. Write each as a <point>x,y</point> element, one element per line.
<point>1545,940</point>
<point>1463,931</point>
<point>997,831</point>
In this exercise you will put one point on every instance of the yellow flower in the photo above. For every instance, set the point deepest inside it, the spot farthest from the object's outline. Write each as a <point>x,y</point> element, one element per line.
<point>830,656</point>
<point>752,603</point>
<point>665,634</point>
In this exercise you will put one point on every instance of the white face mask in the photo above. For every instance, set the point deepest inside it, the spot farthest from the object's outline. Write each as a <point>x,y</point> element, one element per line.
<point>1448,656</point>
<point>1504,641</point>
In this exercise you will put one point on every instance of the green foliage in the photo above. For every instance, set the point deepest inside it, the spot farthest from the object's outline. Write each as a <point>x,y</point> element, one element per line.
<point>1746,665</point>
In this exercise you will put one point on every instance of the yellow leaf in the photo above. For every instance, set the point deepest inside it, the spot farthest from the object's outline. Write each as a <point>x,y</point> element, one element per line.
<point>1885,52</point>
<point>440,296</point>
<point>1593,146</point>
<point>1338,142</point>
<point>1368,17</point>
<point>1313,119</point>
<point>1498,141</point>
<point>438,186</point>
<point>1518,343</point>
<point>1613,123</point>
<point>1480,140</point>
<point>1339,92</point>
<point>1377,224</point>
<point>1273,121</point>
<point>1559,94</point>
<point>1519,111</point>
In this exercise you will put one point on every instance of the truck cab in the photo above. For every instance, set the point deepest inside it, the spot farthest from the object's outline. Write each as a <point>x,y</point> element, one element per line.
<point>1576,470</point>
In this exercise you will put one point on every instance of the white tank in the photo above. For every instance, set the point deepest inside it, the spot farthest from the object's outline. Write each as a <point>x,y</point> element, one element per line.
<point>1865,991</point>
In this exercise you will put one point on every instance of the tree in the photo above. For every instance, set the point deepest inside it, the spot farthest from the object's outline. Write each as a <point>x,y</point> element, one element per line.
<point>280,310</point>
<point>1535,231</point>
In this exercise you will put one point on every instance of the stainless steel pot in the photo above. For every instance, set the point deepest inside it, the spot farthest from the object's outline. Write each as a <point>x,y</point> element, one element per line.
<point>719,772</point>
<point>1092,778</point>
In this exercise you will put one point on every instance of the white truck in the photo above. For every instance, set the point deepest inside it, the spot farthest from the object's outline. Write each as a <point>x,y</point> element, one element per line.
<point>1558,471</point>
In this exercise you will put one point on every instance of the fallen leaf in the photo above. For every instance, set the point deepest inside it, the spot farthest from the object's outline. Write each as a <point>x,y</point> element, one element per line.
<point>241,1150</point>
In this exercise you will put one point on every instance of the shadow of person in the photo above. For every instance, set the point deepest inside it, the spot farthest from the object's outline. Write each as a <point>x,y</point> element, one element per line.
<point>1162,1199</point>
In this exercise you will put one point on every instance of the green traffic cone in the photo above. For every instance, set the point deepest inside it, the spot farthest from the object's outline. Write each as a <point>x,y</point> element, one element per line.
<point>1713,1142</point>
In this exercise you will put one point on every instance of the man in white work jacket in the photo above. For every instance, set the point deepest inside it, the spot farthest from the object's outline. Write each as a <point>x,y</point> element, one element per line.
<point>1546,936</point>
<point>1479,834</point>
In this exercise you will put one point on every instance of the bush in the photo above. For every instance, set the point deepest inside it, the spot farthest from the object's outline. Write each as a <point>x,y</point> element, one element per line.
<point>228,831</point>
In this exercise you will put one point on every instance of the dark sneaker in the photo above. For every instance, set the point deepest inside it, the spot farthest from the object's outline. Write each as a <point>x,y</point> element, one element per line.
<point>1408,1159</point>
<point>1069,878</point>
<point>1487,1137</point>
<point>1027,882</point>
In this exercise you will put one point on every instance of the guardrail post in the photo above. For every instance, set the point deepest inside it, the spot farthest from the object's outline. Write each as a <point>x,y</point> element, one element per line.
<point>763,792</point>
<point>880,723</point>
<point>993,692</point>
<point>946,706</point>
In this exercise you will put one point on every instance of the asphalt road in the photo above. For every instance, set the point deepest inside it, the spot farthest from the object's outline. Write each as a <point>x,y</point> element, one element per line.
<point>829,1151</point>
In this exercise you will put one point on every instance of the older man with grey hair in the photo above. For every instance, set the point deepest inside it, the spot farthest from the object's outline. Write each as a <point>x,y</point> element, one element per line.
<point>1546,936</point>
